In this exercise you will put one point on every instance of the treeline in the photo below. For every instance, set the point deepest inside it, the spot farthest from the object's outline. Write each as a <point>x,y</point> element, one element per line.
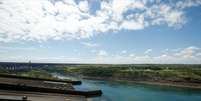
<point>150,72</point>
<point>35,73</point>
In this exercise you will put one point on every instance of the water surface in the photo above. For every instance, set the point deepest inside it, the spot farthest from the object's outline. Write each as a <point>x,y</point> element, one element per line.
<point>121,91</point>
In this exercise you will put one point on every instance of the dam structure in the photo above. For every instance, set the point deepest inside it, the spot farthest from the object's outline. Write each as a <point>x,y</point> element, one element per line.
<point>20,88</point>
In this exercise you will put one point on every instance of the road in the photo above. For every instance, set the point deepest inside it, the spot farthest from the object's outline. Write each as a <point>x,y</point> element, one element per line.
<point>33,96</point>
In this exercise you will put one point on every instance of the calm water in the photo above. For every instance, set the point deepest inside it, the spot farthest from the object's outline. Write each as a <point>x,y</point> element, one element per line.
<point>118,91</point>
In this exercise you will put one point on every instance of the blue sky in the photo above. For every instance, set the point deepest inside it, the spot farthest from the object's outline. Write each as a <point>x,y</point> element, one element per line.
<point>93,31</point>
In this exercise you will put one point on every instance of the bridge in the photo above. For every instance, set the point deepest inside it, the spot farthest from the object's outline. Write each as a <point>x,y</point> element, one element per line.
<point>15,66</point>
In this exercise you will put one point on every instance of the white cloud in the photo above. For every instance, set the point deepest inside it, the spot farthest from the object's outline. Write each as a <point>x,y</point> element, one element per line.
<point>132,25</point>
<point>83,5</point>
<point>124,52</point>
<point>189,52</point>
<point>148,51</point>
<point>188,3</point>
<point>88,44</point>
<point>6,48</point>
<point>189,55</point>
<point>198,54</point>
<point>132,55</point>
<point>102,53</point>
<point>185,55</point>
<point>42,20</point>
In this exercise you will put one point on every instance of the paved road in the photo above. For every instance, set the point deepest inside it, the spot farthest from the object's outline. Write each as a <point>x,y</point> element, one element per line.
<point>33,96</point>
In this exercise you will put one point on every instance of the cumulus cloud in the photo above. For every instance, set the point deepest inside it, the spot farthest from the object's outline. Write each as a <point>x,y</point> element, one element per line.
<point>132,55</point>
<point>8,48</point>
<point>188,3</point>
<point>102,53</point>
<point>88,44</point>
<point>187,52</point>
<point>148,51</point>
<point>183,55</point>
<point>42,20</point>
<point>188,55</point>
<point>124,52</point>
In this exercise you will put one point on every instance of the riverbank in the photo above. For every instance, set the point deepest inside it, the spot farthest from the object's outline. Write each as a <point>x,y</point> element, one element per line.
<point>188,76</point>
<point>130,91</point>
<point>159,83</point>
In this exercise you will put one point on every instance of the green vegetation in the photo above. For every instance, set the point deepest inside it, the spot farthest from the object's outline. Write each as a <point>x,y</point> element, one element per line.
<point>37,74</point>
<point>135,72</point>
<point>175,73</point>
<point>3,70</point>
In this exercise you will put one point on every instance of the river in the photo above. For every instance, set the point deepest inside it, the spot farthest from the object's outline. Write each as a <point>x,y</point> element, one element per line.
<point>121,91</point>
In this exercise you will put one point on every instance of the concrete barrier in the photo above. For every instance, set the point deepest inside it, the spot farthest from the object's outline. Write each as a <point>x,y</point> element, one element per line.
<point>21,87</point>
<point>42,79</point>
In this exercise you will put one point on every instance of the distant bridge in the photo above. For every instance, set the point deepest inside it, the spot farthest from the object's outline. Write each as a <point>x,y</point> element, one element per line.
<point>29,65</point>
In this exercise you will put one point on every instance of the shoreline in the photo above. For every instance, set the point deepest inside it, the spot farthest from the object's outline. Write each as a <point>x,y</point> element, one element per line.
<point>159,83</point>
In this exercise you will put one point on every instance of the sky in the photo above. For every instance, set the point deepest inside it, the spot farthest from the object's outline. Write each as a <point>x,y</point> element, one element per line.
<point>101,31</point>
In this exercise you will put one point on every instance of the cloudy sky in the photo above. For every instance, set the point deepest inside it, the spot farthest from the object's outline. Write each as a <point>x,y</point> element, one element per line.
<point>101,31</point>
